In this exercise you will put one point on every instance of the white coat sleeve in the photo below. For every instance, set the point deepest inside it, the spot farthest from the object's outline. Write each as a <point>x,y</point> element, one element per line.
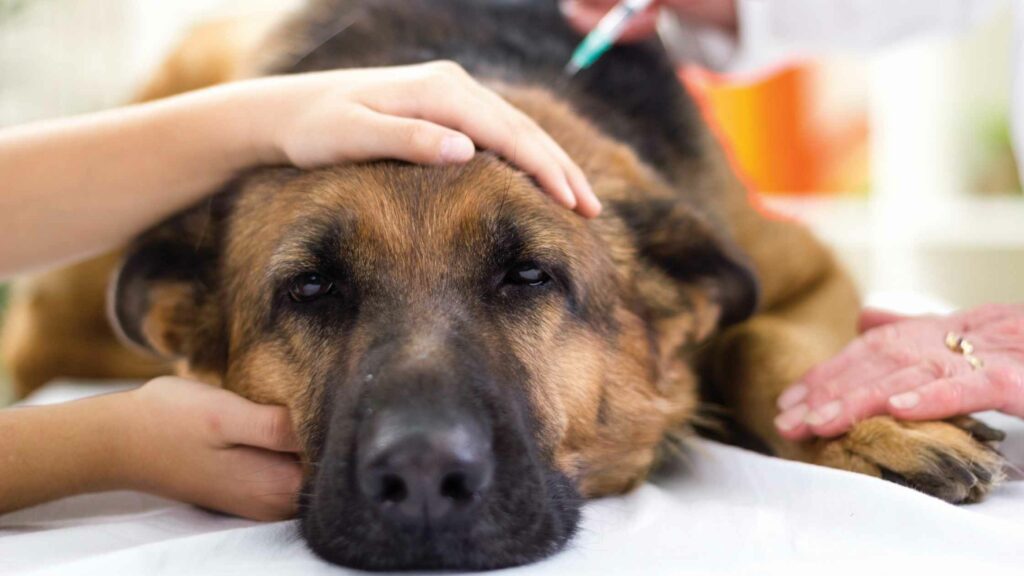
<point>771,32</point>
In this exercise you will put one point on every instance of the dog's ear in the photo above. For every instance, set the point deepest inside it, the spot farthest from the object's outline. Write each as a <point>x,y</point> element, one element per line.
<point>163,297</point>
<point>702,261</point>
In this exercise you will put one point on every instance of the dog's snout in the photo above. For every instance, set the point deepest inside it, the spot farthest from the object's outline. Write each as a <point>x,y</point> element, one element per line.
<point>425,468</point>
<point>430,465</point>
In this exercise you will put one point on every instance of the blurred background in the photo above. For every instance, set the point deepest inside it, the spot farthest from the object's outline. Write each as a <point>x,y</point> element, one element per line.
<point>900,158</point>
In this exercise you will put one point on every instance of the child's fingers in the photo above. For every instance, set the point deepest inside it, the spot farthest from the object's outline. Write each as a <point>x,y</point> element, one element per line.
<point>521,145</point>
<point>247,423</point>
<point>454,100</point>
<point>587,203</point>
<point>408,139</point>
<point>255,484</point>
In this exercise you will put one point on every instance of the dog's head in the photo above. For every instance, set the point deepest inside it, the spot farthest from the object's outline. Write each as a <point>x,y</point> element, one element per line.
<point>464,360</point>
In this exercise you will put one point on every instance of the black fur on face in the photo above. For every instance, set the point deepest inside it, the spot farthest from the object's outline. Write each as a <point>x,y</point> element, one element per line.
<point>421,331</point>
<point>335,334</point>
<point>397,298</point>
<point>402,302</point>
<point>529,512</point>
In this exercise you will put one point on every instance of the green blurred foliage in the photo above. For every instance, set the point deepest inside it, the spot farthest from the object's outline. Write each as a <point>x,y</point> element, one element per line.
<point>12,7</point>
<point>994,166</point>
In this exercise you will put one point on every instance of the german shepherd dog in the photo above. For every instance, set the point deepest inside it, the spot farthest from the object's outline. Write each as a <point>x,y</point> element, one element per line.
<point>465,361</point>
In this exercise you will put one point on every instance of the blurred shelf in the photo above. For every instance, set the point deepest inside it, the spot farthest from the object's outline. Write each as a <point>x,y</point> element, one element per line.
<point>984,222</point>
<point>963,251</point>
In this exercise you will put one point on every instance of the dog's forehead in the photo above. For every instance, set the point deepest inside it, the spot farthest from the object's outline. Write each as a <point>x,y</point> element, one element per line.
<point>385,211</point>
<point>397,231</point>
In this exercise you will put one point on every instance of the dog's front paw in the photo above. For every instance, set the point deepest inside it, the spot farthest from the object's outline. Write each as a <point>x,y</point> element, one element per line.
<point>954,460</point>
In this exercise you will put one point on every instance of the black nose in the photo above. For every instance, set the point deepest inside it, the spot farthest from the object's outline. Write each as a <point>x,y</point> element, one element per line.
<point>425,469</point>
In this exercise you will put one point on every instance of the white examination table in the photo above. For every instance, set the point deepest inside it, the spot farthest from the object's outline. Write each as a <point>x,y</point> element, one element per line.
<point>726,511</point>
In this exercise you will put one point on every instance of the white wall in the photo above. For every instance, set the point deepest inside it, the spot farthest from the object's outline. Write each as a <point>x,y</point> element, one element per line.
<point>61,57</point>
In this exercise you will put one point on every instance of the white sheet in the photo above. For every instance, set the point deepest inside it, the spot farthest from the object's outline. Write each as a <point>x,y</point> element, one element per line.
<point>725,511</point>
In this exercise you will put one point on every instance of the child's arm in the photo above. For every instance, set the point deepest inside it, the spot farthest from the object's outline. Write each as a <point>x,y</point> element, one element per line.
<point>172,437</point>
<point>73,188</point>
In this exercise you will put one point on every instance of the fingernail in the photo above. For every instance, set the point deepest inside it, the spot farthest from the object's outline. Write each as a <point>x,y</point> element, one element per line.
<point>791,397</point>
<point>905,401</point>
<point>791,418</point>
<point>457,149</point>
<point>825,414</point>
<point>587,190</point>
<point>586,199</point>
<point>569,197</point>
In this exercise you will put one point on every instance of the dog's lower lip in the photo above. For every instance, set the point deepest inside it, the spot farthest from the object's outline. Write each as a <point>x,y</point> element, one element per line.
<point>539,530</point>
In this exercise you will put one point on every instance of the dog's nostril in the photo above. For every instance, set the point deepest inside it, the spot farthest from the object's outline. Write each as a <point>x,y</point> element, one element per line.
<point>392,489</point>
<point>417,468</point>
<point>456,486</point>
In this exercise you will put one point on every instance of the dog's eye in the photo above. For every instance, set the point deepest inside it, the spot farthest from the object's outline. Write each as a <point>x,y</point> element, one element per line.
<point>309,286</point>
<point>527,275</point>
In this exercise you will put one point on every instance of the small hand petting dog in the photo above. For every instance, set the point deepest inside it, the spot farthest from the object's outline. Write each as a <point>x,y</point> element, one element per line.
<point>77,187</point>
<point>102,179</point>
<point>173,437</point>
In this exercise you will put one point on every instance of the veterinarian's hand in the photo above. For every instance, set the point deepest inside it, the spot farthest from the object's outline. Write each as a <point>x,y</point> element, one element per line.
<point>432,113</point>
<point>585,14</point>
<point>904,367</point>
<point>204,445</point>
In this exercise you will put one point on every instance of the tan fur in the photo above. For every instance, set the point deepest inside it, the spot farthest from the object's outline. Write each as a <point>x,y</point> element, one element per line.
<point>608,437</point>
<point>56,326</point>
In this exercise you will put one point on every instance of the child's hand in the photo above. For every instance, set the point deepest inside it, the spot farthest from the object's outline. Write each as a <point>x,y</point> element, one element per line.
<point>431,113</point>
<point>585,14</point>
<point>148,161</point>
<point>204,445</point>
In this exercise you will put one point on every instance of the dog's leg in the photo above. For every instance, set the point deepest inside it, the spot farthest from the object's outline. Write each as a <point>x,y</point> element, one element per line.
<point>752,363</point>
<point>57,327</point>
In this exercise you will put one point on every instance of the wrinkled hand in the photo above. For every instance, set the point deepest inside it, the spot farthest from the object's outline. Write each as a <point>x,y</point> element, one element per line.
<point>432,113</point>
<point>207,446</point>
<point>584,15</point>
<point>902,366</point>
